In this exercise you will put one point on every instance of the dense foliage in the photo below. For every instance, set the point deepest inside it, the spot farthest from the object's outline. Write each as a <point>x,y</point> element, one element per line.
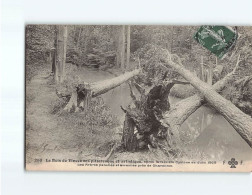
<point>38,44</point>
<point>97,45</point>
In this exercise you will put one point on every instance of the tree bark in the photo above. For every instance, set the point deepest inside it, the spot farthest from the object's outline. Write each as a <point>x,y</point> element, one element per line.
<point>79,36</point>
<point>202,69</point>
<point>86,91</point>
<point>60,53</point>
<point>143,126</point>
<point>49,59</point>
<point>72,104</point>
<point>54,53</point>
<point>128,48</point>
<point>129,139</point>
<point>123,48</point>
<point>104,86</point>
<point>54,61</point>
<point>117,46</point>
<point>241,122</point>
<point>120,47</point>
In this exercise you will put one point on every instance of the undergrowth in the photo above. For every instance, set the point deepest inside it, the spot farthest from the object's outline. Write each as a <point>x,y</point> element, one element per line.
<point>95,127</point>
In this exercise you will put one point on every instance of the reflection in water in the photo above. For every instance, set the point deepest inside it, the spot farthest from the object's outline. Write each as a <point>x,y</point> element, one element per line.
<point>213,135</point>
<point>118,97</point>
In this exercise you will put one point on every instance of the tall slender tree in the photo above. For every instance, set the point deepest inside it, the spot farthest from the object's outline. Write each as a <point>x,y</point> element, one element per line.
<point>61,43</point>
<point>128,48</point>
<point>123,48</point>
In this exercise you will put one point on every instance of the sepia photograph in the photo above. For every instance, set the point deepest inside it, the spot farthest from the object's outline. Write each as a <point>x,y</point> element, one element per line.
<point>138,98</point>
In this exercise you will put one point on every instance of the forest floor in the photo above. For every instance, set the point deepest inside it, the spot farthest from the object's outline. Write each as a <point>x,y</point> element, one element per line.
<point>64,135</point>
<point>47,136</point>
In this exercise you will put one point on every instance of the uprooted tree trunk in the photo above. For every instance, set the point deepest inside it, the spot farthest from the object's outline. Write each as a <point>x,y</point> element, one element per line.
<point>142,126</point>
<point>241,122</point>
<point>83,93</point>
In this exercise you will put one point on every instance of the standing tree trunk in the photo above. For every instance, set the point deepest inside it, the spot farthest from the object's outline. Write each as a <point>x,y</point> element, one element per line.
<point>60,53</point>
<point>128,48</point>
<point>241,122</point>
<point>117,46</point>
<point>202,69</point>
<point>120,48</point>
<point>53,60</point>
<point>49,59</point>
<point>123,48</point>
<point>78,39</point>
<point>210,75</point>
<point>171,43</point>
<point>54,57</point>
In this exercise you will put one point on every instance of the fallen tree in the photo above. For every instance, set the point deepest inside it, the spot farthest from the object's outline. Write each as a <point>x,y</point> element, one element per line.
<point>241,122</point>
<point>83,93</point>
<point>143,125</point>
<point>157,124</point>
<point>181,110</point>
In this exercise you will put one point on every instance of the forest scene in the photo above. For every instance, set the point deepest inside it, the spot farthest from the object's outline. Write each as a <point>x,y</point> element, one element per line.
<point>136,92</point>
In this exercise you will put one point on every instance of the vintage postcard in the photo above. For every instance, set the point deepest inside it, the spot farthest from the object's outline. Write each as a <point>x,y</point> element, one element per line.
<point>138,98</point>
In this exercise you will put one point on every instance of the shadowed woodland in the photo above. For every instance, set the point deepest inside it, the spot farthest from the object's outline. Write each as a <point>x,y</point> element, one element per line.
<point>135,92</point>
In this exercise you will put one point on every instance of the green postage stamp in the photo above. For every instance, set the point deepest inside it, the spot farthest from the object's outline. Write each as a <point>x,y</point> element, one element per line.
<point>217,39</point>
